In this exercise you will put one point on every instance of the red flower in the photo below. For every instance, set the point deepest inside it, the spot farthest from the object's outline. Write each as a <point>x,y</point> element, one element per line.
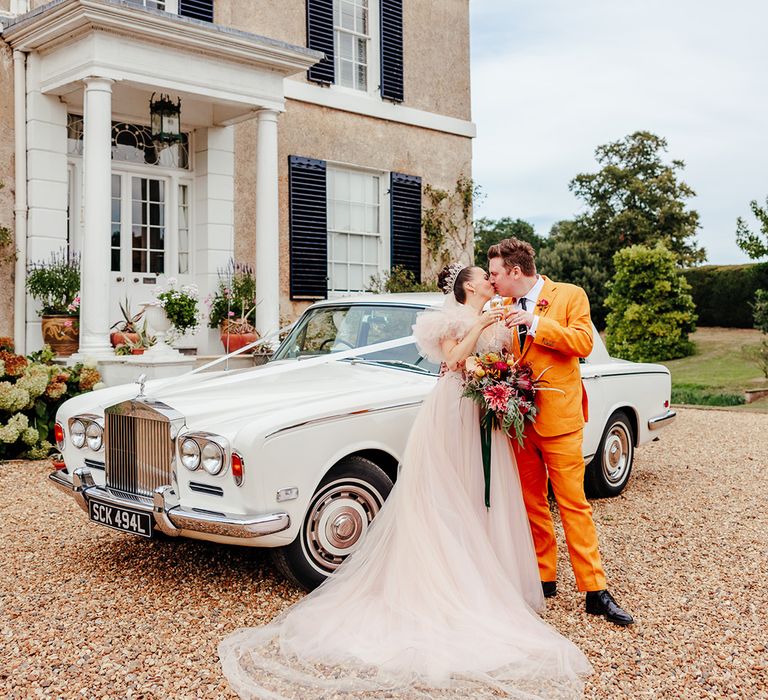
<point>542,304</point>
<point>497,396</point>
<point>501,366</point>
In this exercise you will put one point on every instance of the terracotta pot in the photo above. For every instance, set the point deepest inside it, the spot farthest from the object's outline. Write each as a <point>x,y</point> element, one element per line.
<point>235,341</point>
<point>137,351</point>
<point>123,338</point>
<point>62,333</point>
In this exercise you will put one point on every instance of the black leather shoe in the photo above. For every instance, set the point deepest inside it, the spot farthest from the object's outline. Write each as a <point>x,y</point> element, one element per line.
<point>549,588</point>
<point>602,603</point>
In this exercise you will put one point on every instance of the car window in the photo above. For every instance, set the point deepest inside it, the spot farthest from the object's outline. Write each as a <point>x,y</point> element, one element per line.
<point>327,329</point>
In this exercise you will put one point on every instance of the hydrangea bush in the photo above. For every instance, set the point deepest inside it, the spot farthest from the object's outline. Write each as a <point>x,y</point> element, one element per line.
<point>31,390</point>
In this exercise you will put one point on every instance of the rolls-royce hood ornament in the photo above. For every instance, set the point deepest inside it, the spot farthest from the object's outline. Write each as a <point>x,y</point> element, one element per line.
<point>141,381</point>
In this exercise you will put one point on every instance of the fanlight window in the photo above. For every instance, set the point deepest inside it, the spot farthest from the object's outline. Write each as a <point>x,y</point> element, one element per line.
<point>132,143</point>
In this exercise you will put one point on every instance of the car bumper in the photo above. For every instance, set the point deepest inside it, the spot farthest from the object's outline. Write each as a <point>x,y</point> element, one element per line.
<point>662,421</point>
<point>169,517</point>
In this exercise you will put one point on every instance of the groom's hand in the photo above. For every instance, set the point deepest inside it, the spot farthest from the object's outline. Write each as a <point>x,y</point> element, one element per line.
<point>518,318</point>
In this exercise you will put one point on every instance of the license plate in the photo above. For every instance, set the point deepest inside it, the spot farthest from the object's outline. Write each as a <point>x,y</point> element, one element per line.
<point>132,521</point>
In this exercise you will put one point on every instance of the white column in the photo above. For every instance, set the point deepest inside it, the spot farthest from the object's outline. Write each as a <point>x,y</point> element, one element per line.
<point>95,256</point>
<point>267,229</point>
<point>20,208</point>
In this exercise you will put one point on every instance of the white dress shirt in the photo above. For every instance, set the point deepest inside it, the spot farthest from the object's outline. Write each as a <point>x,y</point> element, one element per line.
<point>531,298</point>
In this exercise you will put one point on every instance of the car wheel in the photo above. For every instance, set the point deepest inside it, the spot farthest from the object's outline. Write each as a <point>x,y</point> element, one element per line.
<point>342,508</point>
<point>608,472</point>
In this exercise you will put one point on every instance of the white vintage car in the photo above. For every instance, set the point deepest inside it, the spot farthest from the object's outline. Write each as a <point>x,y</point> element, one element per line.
<point>299,455</point>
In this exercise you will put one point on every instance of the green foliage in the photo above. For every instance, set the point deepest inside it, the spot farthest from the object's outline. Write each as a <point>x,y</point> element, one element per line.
<point>635,199</point>
<point>7,242</point>
<point>397,280</point>
<point>723,294</point>
<point>447,220</point>
<point>488,232</point>
<point>758,354</point>
<point>31,390</point>
<point>651,312</point>
<point>180,305</point>
<point>749,241</point>
<point>698,395</point>
<point>56,284</point>
<point>760,310</point>
<point>574,263</point>
<point>235,295</point>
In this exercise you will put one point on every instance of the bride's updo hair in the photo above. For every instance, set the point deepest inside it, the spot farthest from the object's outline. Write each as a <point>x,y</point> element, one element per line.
<point>452,278</point>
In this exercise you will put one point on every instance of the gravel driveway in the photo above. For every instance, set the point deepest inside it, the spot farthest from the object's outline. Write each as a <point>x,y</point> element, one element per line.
<point>89,612</point>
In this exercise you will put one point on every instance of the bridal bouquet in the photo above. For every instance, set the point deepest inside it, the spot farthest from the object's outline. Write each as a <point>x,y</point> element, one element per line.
<point>505,390</point>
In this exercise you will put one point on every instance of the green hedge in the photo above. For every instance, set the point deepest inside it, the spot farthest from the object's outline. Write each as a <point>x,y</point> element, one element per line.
<point>723,294</point>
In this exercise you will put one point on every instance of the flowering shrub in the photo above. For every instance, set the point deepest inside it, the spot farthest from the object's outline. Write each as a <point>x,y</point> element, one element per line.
<point>56,284</point>
<point>180,304</point>
<point>236,294</point>
<point>31,390</point>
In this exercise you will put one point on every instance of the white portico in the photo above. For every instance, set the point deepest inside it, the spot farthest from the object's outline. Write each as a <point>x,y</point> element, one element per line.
<point>86,70</point>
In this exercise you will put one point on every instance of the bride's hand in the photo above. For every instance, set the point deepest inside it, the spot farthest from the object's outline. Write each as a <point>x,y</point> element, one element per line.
<point>489,317</point>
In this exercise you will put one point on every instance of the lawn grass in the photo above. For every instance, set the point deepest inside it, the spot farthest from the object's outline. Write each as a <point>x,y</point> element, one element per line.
<point>719,370</point>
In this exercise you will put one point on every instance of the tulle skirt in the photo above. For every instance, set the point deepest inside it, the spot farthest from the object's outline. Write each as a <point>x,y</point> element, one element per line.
<point>438,601</point>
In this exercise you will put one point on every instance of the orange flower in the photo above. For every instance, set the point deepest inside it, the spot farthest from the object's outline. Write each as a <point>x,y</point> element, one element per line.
<point>14,364</point>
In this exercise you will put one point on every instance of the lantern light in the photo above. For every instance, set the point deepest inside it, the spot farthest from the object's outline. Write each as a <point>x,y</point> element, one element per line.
<point>165,120</point>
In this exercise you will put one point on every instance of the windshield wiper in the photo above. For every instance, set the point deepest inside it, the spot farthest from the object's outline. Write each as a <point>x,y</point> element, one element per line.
<point>392,363</point>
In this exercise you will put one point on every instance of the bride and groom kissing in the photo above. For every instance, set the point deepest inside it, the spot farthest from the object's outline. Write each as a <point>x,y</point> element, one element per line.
<point>441,597</point>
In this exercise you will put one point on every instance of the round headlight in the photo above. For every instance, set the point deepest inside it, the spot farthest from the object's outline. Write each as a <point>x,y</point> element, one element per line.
<point>94,436</point>
<point>77,433</point>
<point>190,454</point>
<point>213,458</point>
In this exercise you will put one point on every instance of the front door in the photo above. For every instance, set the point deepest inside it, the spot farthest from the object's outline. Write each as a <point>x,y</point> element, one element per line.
<point>149,239</point>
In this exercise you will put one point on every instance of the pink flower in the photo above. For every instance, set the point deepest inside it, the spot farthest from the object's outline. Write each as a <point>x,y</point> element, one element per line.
<point>68,324</point>
<point>230,313</point>
<point>501,366</point>
<point>542,304</point>
<point>497,396</point>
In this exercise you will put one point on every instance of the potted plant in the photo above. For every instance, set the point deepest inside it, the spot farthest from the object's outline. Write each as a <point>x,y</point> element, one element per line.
<point>55,284</point>
<point>236,290</point>
<point>126,331</point>
<point>137,342</point>
<point>238,331</point>
<point>174,309</point>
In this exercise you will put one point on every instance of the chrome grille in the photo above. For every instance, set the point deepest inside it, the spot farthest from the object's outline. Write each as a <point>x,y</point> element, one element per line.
<point>138,448</point>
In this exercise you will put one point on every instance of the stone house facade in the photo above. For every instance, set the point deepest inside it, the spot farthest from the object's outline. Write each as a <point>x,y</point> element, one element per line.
<point>310,130</point>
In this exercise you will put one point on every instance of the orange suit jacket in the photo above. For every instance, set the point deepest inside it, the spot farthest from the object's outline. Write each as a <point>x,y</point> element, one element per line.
<point>563,335</point>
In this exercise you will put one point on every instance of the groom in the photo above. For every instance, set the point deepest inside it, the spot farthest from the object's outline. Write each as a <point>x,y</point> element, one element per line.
<point>553,330</point>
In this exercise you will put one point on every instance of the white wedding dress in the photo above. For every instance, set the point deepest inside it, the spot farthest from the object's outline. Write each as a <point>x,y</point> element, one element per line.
<point>440,598</point>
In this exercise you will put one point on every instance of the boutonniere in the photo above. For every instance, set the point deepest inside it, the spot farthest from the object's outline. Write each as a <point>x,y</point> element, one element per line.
<point>542,304</point>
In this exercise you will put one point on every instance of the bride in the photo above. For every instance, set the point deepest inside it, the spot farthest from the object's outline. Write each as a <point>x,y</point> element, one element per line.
<point>440,598</point>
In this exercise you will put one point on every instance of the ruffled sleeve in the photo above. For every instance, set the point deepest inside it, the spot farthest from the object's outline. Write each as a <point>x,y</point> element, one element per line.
<point>434,326</point>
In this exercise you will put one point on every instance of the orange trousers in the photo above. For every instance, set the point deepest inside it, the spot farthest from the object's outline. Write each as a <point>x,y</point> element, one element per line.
<point>560,458</point>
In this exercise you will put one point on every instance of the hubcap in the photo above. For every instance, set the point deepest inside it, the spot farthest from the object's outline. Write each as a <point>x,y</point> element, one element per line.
<point>337,519</point>
<point>617,454</point>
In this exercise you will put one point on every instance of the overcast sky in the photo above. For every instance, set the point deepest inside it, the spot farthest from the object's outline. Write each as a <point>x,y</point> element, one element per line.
<point>553,79</point>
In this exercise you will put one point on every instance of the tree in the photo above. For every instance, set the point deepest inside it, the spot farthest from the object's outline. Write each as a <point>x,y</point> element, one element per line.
<point>574,263</point>
<point>490,231</point>
<point>749,241</point>
<point>651,311</point>
<point>636,199</point>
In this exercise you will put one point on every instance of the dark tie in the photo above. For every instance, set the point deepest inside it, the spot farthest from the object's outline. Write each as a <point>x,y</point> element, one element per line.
<point>522,329</point>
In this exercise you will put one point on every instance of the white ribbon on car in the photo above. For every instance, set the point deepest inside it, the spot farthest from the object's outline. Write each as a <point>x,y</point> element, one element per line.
<point>291,366</point>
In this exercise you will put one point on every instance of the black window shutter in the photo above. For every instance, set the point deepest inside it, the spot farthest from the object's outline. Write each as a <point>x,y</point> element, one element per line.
<point>405,199</point>
<point>308,228</point>
<point>320,38</point>
<point>392,50</point>
<point>197,9</point>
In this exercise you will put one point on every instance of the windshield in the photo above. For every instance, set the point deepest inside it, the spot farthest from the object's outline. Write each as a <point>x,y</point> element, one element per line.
<point>327,329</point>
